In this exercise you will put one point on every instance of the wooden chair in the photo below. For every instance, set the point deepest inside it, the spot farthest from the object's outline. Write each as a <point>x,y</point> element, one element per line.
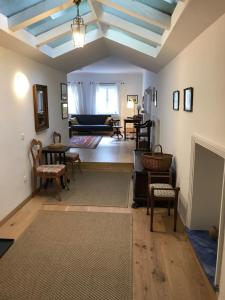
<point>72,158</point>
<point>160,189</point>
<point>46,171</point>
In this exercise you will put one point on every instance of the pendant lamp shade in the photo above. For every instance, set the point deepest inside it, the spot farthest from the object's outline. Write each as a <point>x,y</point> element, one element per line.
<point>78,29</point>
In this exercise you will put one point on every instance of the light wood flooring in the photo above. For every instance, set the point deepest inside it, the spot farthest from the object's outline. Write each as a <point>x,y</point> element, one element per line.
<point>164,264</point>
<point>109,150</point>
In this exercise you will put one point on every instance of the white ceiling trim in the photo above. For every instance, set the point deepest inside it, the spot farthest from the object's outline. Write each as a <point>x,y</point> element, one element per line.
<point>62,30</point>
<point>129,27</point>
<point>21,35</point>
<point>181,5</point>
<point>103,20</point>
<point>150,15</point>
<point>95,9</point>
<point>37,13</point>
<point>69,46</point>
<point>130,42</point>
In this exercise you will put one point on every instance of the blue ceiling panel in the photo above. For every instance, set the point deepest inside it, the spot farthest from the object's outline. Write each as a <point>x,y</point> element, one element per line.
<point>57,19</point>
<point>60,41</point>
<point>166,7</point>
<point>133,20</point>
<point>138,38</point>
<point>12,7</point>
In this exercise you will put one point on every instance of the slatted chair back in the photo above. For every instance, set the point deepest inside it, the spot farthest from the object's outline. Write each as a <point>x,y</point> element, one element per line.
<point>36,152</point>
<point>56,137</point>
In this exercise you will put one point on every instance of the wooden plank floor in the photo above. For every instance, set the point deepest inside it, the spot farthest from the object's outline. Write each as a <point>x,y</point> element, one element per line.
<point>165,267</point>
<point>109,150</point>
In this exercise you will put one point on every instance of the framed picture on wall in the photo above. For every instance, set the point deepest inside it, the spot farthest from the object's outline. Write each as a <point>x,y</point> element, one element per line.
<point>188,99</point>
<point>176,100</point>
<point>63,92</point>
<point>132,98</point>
<point>64,110</point>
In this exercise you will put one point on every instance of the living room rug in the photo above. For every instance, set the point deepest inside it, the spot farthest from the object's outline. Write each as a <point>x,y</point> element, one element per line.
<point>96,188</point>
<point>84,141</point>
<point>70,255</point>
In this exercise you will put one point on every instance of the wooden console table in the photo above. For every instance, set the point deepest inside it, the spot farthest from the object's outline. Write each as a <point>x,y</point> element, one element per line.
<point>140,182</point>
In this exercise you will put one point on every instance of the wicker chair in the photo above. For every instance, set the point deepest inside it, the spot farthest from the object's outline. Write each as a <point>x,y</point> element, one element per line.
<point>72,158</point>
<point>46,171</point>
<point>158,191</point>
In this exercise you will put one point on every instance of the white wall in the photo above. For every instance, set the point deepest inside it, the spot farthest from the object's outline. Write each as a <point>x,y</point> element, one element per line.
<point>17,117</point>
<point>207,189</point>
<point>150,81</point>
<point>202,66</point>
<point>132,86</point>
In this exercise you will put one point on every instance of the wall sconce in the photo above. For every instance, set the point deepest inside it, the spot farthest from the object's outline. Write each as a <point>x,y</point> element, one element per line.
<point>21,85</point>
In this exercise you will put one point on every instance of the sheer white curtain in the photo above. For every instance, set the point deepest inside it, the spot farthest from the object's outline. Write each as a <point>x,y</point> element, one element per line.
<point>91,108</point>
<point>76,98</point>
<point>107,98</point>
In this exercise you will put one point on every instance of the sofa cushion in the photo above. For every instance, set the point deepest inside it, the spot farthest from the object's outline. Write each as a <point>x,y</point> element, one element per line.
<point>74,121</point>
<point>91,119</point>
<point>108,121</point>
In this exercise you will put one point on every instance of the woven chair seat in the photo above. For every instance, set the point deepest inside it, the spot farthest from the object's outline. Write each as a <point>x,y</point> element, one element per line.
<point>72,156</point>
<point>162,193</point>
<point>50,169</point>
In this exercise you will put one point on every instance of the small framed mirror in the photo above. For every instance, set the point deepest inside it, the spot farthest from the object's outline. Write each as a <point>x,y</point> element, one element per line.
<point>40,94</point>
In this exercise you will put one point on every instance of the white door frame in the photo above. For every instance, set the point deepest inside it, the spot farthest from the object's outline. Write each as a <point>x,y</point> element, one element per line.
<point>219,150</point>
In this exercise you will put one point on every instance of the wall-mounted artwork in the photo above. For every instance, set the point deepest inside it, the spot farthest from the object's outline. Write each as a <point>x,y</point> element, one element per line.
<point>64,109</point>
<point>132,98</point>
<point>63,91</point>
<point>188,99</point>
<point>176,100</point>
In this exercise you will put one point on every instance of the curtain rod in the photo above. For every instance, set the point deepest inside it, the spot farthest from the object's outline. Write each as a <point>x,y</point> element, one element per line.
<point>79,82</point>
<point>92,82</point>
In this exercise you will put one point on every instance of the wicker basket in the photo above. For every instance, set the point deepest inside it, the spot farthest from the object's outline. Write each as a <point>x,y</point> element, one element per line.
<point>156,161</point>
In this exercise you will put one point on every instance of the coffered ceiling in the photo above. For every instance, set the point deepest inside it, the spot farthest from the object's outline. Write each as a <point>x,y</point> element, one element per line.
<point>138,30</point>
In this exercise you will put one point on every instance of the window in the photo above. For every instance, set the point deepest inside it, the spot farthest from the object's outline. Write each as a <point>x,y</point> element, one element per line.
<point>107,99</point>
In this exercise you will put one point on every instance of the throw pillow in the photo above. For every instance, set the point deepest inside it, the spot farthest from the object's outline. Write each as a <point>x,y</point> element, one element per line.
<point>108,121</point>
<point>74,121</point>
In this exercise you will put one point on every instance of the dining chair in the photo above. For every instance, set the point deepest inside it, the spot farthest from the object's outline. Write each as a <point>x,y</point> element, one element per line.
<point>72,158</point>
<point>160,189</point>
<point>51,171</point>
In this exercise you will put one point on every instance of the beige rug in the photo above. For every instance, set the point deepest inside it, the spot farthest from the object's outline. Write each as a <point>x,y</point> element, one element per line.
<point>70,255</point>
<point>94,188</point>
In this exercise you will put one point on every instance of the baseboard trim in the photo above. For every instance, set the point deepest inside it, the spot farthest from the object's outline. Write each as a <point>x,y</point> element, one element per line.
<point>18,207</point>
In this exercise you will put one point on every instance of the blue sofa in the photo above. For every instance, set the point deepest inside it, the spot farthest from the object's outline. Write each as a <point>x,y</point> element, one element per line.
<point>90,123</point>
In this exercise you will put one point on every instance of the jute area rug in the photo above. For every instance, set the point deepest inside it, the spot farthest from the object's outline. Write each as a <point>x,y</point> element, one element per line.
<point>96,188</point>
<point>84,141</point>
<point>70,255</point>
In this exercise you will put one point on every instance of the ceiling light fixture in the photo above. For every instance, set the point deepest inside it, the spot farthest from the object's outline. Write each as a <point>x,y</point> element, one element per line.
<point>78,28</point>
